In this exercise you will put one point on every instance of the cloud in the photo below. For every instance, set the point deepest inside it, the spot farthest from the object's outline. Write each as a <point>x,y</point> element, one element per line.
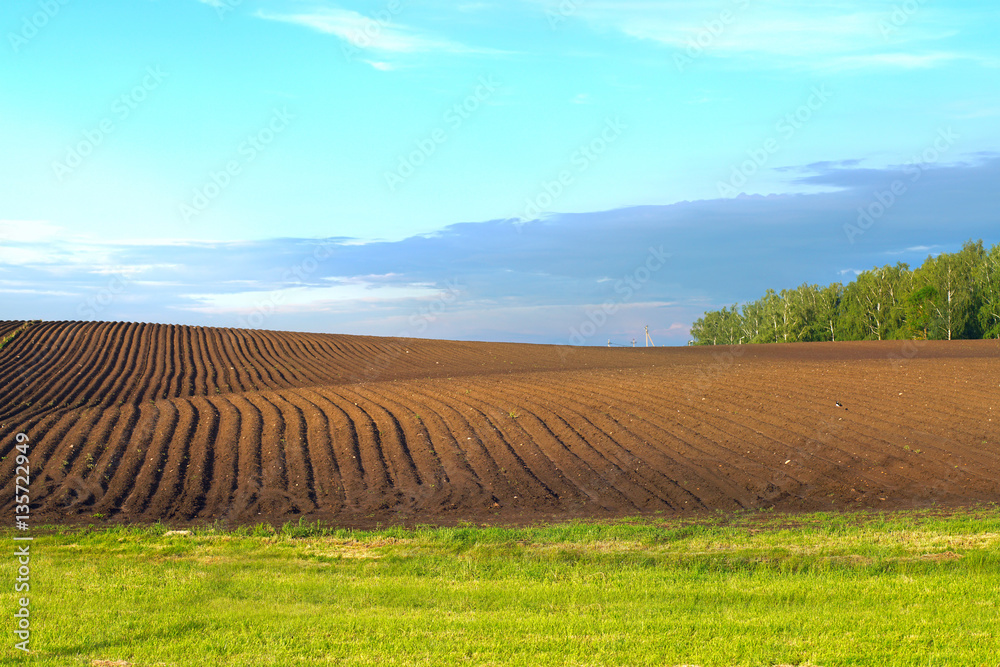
<point>987,112</point>
<point>342,296</point>
<point>13,290</point>
<point>31,231</point>
<point>384,34</point>
<point>892,60</point>
<point>537,281</point>
<point>911,250</point>
<point>784,34</point>
<point>780,33</point>
<point>24,256</point>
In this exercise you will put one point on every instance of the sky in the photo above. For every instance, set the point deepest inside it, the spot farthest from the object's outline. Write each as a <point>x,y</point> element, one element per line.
<point>550,171</point>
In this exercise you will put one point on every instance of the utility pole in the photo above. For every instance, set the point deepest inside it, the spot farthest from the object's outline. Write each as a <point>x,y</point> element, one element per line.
<point>649,339</point>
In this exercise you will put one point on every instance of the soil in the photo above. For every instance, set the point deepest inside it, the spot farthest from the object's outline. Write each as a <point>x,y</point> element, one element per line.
<point>143,422</point>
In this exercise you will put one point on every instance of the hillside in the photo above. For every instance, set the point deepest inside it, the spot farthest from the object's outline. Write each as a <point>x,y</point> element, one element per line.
<point>146,422</point>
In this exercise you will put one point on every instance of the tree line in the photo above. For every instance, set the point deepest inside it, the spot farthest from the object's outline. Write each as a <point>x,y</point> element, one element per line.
<point>950,296</point>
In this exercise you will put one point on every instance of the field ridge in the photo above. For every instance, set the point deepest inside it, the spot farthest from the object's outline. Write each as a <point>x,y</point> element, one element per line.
<point>142,422</point>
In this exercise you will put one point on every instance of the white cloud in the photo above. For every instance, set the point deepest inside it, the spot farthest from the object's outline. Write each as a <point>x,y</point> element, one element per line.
<point>158,283</point>
<point>132,270</point>
<point>303,299</point>
<point>892,60</point>
<point>365,33</point>
<point>24,256</point>
<point>36,291</point>
<point>912,249</point>
<point>779,33</point>
<point>33,231</point>
<point>49,247</point>
<point>988,112</point>
<point>173,242</point>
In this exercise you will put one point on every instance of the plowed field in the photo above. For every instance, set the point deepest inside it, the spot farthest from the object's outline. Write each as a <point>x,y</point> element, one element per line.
<point>143,422</point>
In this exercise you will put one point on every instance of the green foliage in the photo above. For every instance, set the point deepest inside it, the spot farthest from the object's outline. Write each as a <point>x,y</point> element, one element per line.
<point>875,303</point>
<point>920,311</point>
<point>950,296</point>
<point>955,302</point>
<point>723,327</point>
<point>14,334</point>
<point>830,299</point>
<point>987,284</point>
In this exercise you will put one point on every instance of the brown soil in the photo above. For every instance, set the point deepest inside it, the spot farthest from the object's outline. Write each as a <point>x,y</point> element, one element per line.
<point>141,422</point>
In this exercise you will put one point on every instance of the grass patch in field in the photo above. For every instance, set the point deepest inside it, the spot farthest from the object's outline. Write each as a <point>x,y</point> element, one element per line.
<point>907,588</point>
<point>14,334</point>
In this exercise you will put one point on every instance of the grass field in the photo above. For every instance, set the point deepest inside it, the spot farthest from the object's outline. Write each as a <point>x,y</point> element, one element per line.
<point>904,588</point>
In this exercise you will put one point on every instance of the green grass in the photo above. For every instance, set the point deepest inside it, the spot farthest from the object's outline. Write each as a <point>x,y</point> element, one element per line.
<point>13,334</point>
<point>908,588</point>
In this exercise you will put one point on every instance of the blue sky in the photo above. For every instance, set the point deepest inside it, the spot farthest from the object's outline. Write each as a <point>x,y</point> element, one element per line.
<point>480,169</point>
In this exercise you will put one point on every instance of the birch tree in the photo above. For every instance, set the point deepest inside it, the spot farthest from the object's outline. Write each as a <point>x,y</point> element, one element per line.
<point>954,303</point>
<point>987,282</point>
<point>875,302</point>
